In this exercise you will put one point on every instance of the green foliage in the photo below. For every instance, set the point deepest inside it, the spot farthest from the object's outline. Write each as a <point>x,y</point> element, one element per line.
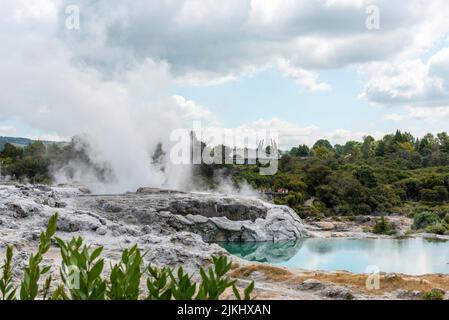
<point>438,228</point>
<point>182,287</point>
<point>383,226</point>
<point>300,151</point>
<point>214,282</point>
<point>429,195</point>
<point>158,283</point>
<point>246,292</point>
<point>446,219</point>
<point>434,294</point>
<point>7,290</point>
<point>349,296</point>
<point>124,281</point>
<point>323,143</point>
<point>29,287</point>
<point>165,284</point>
<point>396,174</point>
<point>11,151</point>
<point>81,270</point>
<point>422,220</point>
<point>308,211</point>
<point>365,175</point>
<point>34,161</point>
<point>81,275</point>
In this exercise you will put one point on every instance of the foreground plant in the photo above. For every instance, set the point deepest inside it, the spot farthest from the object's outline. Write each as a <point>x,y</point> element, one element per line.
<point>81,270</point>
<point>434,294</point>
<point>215,282</point>
<point>81,276</point>
<point>7,290</point>
<point>29,287</point>
<point>124,281</point>
<point>158,284</point>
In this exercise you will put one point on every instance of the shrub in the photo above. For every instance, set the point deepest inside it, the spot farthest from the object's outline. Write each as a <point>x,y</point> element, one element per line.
<point>434,294</point>
<point>81,270</point>
<point>446,218</point>
<point>442,193</point>
<point>125,276</point>
<point>7,291</point>
<point>29,286</point>
<point>307,211</point>
<point>424,219</point>
<point>294,199</point>
<point>437,229</point>
<point>349,296</point>
<point>215,282</point>
<point>365,175</point>
<point>429,195</point>
<point>383,226</point>
<point>81,276</point>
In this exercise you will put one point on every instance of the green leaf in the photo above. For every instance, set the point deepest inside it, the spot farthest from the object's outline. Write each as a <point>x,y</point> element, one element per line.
<point>45,269</point>
<point>236,292</point>
<point>96,253</point>
<point>249,290</point>
<point>96,270</point>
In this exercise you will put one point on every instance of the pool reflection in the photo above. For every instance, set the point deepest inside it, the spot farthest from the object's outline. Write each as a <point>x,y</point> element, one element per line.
<point>410,256</point>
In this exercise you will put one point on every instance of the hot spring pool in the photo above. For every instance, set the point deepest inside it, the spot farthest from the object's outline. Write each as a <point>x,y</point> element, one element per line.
<point>413,256</point>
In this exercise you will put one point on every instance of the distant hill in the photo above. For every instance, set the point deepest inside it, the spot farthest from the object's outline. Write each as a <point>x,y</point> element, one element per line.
<point>21,142</point>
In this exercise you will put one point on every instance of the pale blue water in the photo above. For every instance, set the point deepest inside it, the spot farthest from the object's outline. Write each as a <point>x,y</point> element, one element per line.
<point>410,256</point>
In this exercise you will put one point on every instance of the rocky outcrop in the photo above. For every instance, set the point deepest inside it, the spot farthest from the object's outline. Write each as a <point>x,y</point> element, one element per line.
<point>279,224</point>
<point>105,221</point>
<point>173,227</point>
<point>214,217</point>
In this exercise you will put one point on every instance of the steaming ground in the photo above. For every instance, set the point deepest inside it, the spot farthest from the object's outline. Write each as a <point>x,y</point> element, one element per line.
<point>155,219</point>
<point>174,229</point>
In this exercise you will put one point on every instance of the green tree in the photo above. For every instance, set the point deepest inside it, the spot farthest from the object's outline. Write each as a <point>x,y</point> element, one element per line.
<point>323,143</point>
<point>11,151</point>
<point>443,139</point>
<point>368,147</point>
<point>300,151</point>
<point>365,175</point>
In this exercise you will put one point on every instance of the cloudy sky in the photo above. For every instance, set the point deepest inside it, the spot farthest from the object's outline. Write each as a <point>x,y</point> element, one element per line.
<point>308,68</point>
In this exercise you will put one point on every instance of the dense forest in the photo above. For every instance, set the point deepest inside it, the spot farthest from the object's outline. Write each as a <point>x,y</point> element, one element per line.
<point>397,174</point>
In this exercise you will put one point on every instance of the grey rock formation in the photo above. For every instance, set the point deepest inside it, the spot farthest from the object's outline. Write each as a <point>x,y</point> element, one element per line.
<point>72,222</point>
<point>312,284</point>
<point>175,228</point>
<point>337,292</point>
<point>214,217</point>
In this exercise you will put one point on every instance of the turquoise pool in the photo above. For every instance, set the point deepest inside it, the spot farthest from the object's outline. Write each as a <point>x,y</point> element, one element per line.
<point>414,256</point>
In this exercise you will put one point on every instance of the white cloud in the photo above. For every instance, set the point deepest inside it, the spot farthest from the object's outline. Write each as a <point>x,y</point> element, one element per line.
<point>436,114</point>
<point>193,111</point>
<point>306,79</point>
<point>128,53</point>
<point>203,45</point>
<point>7,130</point>
<point>422,88</point>
<point>392,117</point>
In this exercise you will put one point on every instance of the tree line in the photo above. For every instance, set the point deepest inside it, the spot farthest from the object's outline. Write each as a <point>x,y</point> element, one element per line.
<point>396,174</point>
